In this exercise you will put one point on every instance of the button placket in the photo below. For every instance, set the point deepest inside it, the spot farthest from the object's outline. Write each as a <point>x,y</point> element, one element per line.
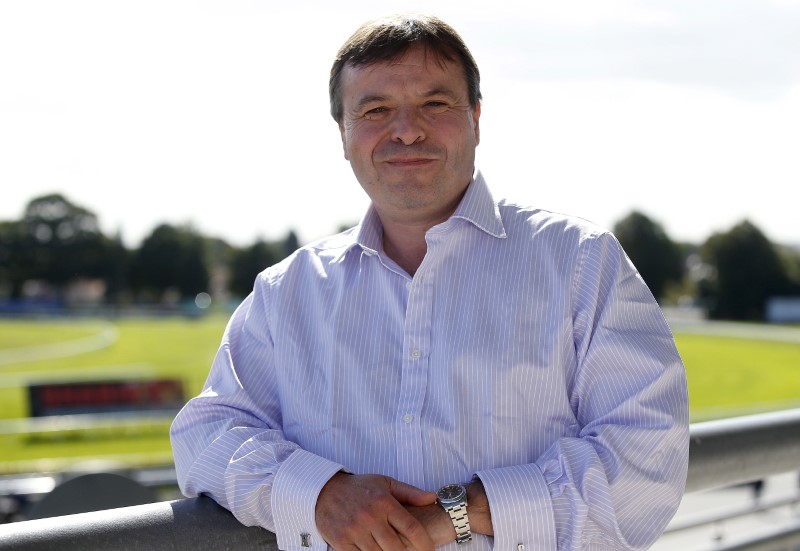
<point>414,380</point>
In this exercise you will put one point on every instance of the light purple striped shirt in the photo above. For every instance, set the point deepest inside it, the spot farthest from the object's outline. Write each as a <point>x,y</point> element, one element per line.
<point>526,349</point>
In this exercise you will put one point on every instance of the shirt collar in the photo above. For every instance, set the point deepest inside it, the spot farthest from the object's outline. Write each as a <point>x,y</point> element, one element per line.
<point>370,232</point>
<point>477,207</point>
<point>367,235</point>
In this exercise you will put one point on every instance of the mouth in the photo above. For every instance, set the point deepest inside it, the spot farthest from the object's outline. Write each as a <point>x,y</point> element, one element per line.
<point>410,162</point>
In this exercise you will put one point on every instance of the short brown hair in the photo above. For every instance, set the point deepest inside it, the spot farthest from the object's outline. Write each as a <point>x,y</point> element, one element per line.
<point>390,37</point>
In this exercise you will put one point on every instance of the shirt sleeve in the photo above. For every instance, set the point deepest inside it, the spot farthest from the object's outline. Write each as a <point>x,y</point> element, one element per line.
<point>228,443</point>
<point>615,485</point>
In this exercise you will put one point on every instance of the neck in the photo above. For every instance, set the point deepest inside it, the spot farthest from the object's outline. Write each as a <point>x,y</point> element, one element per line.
<point>405,245</point>
<point>404,236</point>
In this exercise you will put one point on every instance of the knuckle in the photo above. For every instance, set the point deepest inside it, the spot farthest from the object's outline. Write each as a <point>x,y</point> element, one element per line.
<point>385,502</point>
<point>357,518</point>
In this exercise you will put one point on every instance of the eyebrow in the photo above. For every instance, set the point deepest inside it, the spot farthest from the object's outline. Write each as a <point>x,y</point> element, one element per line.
<point>440,92</point>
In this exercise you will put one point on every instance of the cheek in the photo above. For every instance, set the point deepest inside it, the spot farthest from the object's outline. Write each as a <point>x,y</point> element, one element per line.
<point>359,143</point>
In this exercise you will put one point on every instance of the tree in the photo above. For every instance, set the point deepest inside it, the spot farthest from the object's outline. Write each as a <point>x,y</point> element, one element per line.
<point>118,278</point>
<point>170,259</point>
<point>790,258</point>
<point>247,263</point>
<point>218,255</point>
<point>289,244</point>
<point>657,258</point>
<point>748,270</point>
<point>12,271</point>
<point>58,242</point>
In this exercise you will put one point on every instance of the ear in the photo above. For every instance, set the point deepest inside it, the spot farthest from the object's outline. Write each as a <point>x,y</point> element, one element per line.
<point>476,115</point>
<point>343,134</point>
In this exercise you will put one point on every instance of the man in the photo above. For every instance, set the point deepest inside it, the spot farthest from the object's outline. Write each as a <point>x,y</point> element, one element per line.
<point>448,338</point>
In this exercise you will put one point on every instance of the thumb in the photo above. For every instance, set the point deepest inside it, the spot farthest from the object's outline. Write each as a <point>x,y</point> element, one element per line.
<point>410,495</point>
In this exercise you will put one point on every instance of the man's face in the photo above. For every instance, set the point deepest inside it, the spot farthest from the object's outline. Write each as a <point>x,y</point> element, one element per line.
<point>410,134</point>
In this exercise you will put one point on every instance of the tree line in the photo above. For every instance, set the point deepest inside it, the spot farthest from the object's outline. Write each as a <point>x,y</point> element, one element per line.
<point>58,247</point>
<point>731,275</point>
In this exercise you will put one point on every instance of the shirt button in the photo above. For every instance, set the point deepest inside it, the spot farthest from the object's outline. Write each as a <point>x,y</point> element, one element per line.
<point>409,285</point>
<point>407,418</point>
<point>415,354</point>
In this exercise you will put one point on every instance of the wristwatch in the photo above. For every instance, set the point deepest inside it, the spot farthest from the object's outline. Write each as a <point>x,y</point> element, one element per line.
<point>453,498</point>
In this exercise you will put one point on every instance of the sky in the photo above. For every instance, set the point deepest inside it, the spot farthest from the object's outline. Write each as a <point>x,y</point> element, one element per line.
<point>216,114</point>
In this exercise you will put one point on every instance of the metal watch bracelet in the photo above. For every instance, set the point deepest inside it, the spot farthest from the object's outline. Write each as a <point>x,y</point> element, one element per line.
<point>460,522</point>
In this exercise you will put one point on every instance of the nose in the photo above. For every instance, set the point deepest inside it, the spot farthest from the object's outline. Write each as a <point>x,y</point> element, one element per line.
<point>408,127</point>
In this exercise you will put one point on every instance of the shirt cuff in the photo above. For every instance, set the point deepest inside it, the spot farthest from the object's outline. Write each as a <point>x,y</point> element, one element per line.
<point>519,502</point>
<point>295,490</point>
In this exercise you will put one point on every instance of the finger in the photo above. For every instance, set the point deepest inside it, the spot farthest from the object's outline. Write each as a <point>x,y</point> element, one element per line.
<point>368,543</point>
<point>410,495</point>
<point>389,540</point>
<point>411,531</point>
<point>359,536</point>
<point>360,542</point>
<point>408,545</point>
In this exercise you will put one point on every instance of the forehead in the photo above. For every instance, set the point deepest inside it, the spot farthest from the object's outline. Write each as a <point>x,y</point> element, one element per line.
<point>417,67</point>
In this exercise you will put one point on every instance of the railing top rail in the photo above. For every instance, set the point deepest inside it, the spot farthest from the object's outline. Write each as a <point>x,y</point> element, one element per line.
<point>771,419</point>
<point>184,525</point>
<point>740,449</point>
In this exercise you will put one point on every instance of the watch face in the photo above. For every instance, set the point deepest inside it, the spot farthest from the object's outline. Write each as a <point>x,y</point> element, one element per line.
<point>451,492</point>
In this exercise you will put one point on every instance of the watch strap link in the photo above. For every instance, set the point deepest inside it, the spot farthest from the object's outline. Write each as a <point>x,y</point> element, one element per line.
<point>458,515</point>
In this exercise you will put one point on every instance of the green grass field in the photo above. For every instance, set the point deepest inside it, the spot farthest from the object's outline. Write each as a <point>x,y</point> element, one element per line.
<point>734,376</point>
<point>727,376</point>
<point>176,348</point>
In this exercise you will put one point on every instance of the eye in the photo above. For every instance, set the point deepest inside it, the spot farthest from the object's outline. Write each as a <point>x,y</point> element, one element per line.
<point>436,106</point>
<point>375,112</point>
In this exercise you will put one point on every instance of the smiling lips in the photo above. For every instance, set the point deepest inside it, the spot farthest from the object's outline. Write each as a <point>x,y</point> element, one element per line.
<point>410,162</point>
<point>405,156</point>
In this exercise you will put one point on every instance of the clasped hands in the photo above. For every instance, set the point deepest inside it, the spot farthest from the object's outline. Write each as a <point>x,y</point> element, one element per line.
<point>375,512</point>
